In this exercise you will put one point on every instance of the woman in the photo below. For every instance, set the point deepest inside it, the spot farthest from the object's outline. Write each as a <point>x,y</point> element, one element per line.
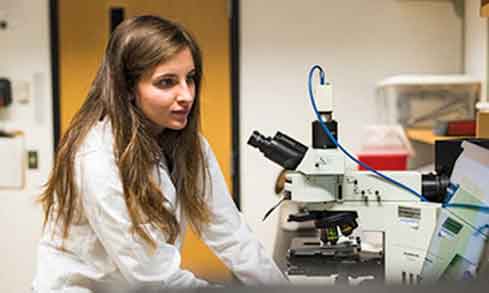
<point>132,170</point>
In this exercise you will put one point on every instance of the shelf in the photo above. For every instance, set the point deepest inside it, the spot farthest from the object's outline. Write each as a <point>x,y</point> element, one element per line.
<point>432,80</point>
<point>425,135</point>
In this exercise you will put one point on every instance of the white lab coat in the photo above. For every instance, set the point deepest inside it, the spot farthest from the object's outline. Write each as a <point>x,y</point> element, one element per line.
<point>101,248</point>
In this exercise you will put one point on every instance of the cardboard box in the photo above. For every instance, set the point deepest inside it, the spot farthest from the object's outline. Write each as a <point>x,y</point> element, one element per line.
<point>484,8</point>
<point>482,130</point>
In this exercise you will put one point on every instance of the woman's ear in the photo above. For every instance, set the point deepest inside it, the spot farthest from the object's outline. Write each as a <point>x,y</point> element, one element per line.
<point>132,98</point>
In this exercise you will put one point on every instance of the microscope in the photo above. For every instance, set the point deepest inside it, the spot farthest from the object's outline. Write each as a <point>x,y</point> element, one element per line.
<point>338,200</point>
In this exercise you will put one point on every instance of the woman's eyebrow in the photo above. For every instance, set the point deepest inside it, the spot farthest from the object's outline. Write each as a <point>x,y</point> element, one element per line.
<point>172,74</point>
<point>165,75</point>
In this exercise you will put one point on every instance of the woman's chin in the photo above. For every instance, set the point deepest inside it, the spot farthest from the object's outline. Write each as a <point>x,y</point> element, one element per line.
<point>177,125</point>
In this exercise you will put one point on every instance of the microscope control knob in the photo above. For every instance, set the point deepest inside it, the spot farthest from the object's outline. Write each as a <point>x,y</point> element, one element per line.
<point>365,198</point>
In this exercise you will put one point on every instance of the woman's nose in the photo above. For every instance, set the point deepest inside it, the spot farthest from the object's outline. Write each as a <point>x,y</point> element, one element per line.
<point>186,93</point>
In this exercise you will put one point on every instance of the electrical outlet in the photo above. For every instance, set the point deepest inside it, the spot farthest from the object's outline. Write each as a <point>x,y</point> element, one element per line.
<point>32,160</point>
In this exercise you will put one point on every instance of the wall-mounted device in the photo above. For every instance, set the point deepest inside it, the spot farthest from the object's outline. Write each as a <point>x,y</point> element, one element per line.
<point>5,92</point>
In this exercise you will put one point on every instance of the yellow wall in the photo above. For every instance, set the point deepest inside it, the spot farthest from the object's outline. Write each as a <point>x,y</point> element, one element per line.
<point>84,32</point>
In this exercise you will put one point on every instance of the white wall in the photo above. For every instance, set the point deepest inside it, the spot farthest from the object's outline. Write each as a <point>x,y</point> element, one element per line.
<point>25,59</point>
<point>358,43</point>
<point>476,50</point>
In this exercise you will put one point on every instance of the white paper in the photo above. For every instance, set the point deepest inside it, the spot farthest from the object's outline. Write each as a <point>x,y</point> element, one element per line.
<point>471,170</point>
<point>12,162</point>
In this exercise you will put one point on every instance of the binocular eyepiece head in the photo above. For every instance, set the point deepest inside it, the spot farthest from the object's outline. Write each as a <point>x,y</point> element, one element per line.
<point>281,149</point>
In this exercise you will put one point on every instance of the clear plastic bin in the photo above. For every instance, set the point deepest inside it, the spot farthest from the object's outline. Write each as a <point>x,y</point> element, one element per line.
<point>420,100</point>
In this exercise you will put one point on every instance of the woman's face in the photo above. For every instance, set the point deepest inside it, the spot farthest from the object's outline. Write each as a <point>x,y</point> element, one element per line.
<point>166,94</point>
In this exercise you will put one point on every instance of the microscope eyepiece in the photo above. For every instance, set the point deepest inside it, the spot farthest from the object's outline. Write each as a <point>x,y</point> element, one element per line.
<point>281,149</point>
<point>256,139</point>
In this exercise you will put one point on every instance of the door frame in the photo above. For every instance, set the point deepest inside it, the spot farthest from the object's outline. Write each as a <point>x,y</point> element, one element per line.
<point>234,38</point>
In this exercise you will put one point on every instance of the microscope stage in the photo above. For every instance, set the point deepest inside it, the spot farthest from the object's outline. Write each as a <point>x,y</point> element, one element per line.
<point>306,256</point>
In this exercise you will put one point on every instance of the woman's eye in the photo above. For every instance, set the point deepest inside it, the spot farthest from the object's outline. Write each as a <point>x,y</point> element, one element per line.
<point>165,83</point>
<point>191,79</point>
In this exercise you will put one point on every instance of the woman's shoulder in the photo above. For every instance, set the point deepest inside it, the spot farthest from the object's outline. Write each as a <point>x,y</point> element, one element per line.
<point>207,151</point>
<point>205,146</point>
<point>98,139</point>
<point>204,142</point>
<point>95,154</point>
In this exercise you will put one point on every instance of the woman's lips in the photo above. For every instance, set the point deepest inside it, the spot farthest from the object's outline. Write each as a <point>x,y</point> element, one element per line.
<point>181,113</point>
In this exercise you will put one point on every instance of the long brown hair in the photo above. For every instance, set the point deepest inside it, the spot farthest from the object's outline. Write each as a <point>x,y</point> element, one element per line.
<point>136,46</point>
